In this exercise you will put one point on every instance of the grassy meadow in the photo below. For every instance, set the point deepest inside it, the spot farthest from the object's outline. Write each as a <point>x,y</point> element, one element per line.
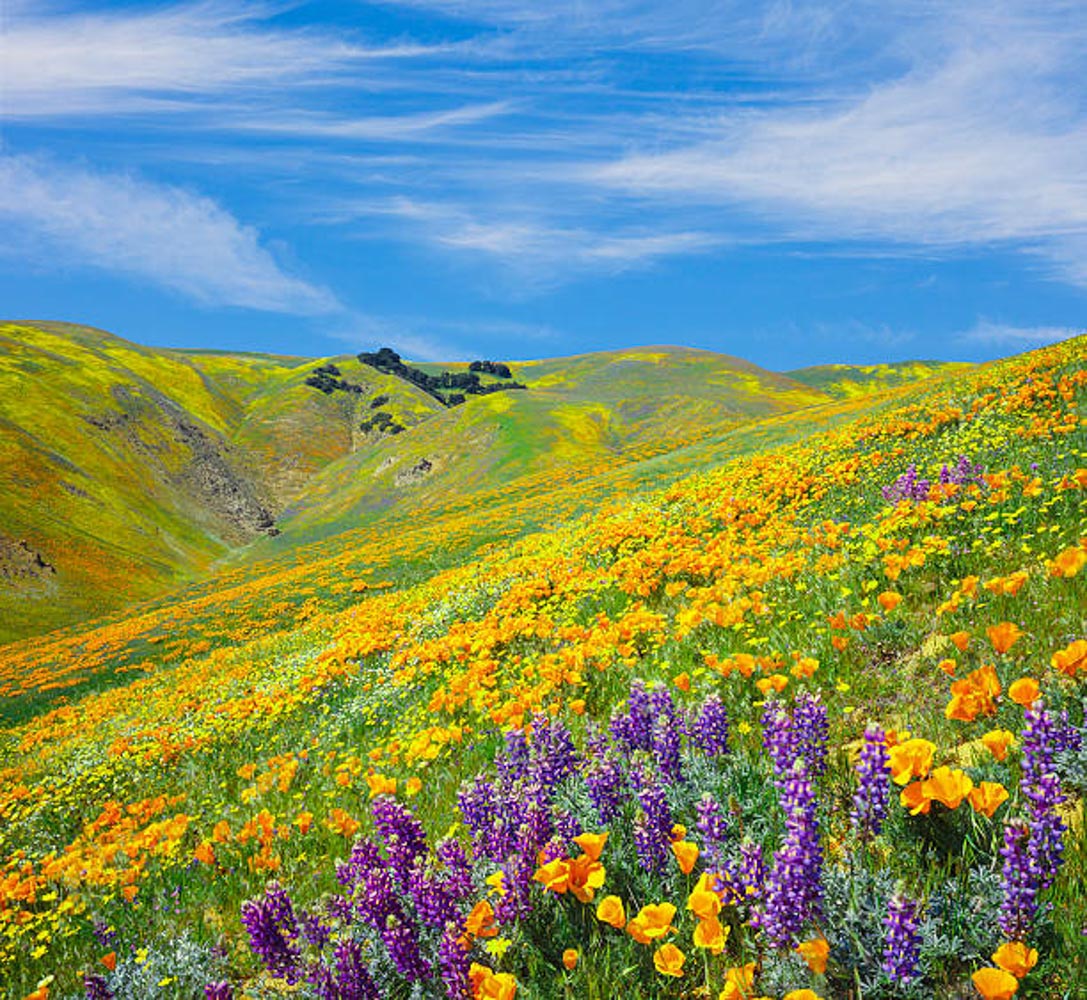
<point>779,695</point>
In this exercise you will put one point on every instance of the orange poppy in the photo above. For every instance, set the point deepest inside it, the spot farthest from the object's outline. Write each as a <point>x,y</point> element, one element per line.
<point>987,797</point>
<point>815,953</point>
<point>669,960</point>
<point>1003,636</point>
<point>610,911</point>
<point>1016,958</point>
<point>995,984</point>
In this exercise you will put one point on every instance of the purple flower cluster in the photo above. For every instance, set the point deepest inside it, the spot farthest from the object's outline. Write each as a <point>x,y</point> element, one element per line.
<point>95,987</point>
<point>709,729</point>
<point>653,829</point>
<point>909,487</point>
<point>902,945</point>
<point>801,736</point>
<point>605,778</point>
<point>873,789</point>
<point>794,887</point>
<point>779,739</point>
<point>273,932</point>
<point>1033,849</point>
<point>1020,904</point>
<point>221,990</point>
<point>1042,788</point>
<point>454,963</point>
<point>713,830</point>
<point>812,731</point>
<point>348,978</point>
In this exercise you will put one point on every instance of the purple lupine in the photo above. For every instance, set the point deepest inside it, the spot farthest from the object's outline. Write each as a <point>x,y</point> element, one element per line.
<point>794,887</point>
<point>811,732</point>
<point>605,780</point>
<point>779,739</point>
<point>451,854</point>
<point>661,704</point>
<point>536,826</point>
<point>1067,738</point>
<point>402,944</point>
<point>635,728</point>
<point>314,930</point>
<point>353,978</point>
<point>516,901</point>
<point>1042,789</point>
<point>222,990</point>
<point>513,764</point>
<point>370,882</point>
<point>95,987</point>
<point>554,756</point>
<point>653,829</point>
<point>709,731</point>
<point>666,748</point>
<point>435,904</point>
<point>902,945</point>
<point>1020,885</point>
<point>907,487</point>
<point>402,834</point>
<point>873,788</point>
<point>273,932</point>
<point>453,964</point>
<point>712,827</point>
<point>752,870</point>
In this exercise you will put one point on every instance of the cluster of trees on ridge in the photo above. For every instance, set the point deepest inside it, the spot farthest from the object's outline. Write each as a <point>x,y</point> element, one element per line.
<point>388,361</point>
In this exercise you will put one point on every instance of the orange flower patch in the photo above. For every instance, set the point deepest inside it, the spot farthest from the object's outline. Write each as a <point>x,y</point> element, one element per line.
<point>669,960</point>
<point>1024,691</point>
<point>995,984</point>
<point>653,921</point>
<point>987,797</point>
<point>1015,958</point>
<point>610,911</point>
<point>1072,659</point>
<point>1003,636</point>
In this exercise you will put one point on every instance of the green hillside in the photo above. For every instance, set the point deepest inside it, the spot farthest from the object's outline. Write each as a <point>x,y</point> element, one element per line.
<point>588,414</point>
<point>541,667</point>
<point>126,470</point>
<point>844,381</point>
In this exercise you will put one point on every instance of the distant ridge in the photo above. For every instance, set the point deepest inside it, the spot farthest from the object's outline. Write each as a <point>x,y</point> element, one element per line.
<point>129,470</point>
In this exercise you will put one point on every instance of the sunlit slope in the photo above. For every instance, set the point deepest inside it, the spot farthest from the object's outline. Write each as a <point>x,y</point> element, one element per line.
<point>125,470</point>
<point>848,381</point>
<point>249,724</point>
<point>591,411</point>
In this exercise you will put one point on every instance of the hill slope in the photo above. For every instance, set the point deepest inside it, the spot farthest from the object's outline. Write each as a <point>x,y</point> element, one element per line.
<point>125,470</point>
<point>815,579</point>
<point>586,413</point>
<point>128,470</point>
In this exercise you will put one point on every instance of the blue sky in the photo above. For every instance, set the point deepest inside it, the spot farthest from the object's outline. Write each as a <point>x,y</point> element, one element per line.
<point>793,182</point>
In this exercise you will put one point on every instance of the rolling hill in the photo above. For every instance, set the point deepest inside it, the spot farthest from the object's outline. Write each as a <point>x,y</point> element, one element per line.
<point>128,471</point>
<point>615,650</point>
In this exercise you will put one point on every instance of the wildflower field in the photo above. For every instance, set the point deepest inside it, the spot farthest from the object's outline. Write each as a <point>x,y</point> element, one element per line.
<point>794,711</point>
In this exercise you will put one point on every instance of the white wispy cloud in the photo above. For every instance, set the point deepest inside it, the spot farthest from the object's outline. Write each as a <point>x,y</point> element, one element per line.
<point>391,128</point>
<point>527,244</point>
<point>996,334</point>
<point>985,145</point>
<point>172,238</point>
<point>130,60</point>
